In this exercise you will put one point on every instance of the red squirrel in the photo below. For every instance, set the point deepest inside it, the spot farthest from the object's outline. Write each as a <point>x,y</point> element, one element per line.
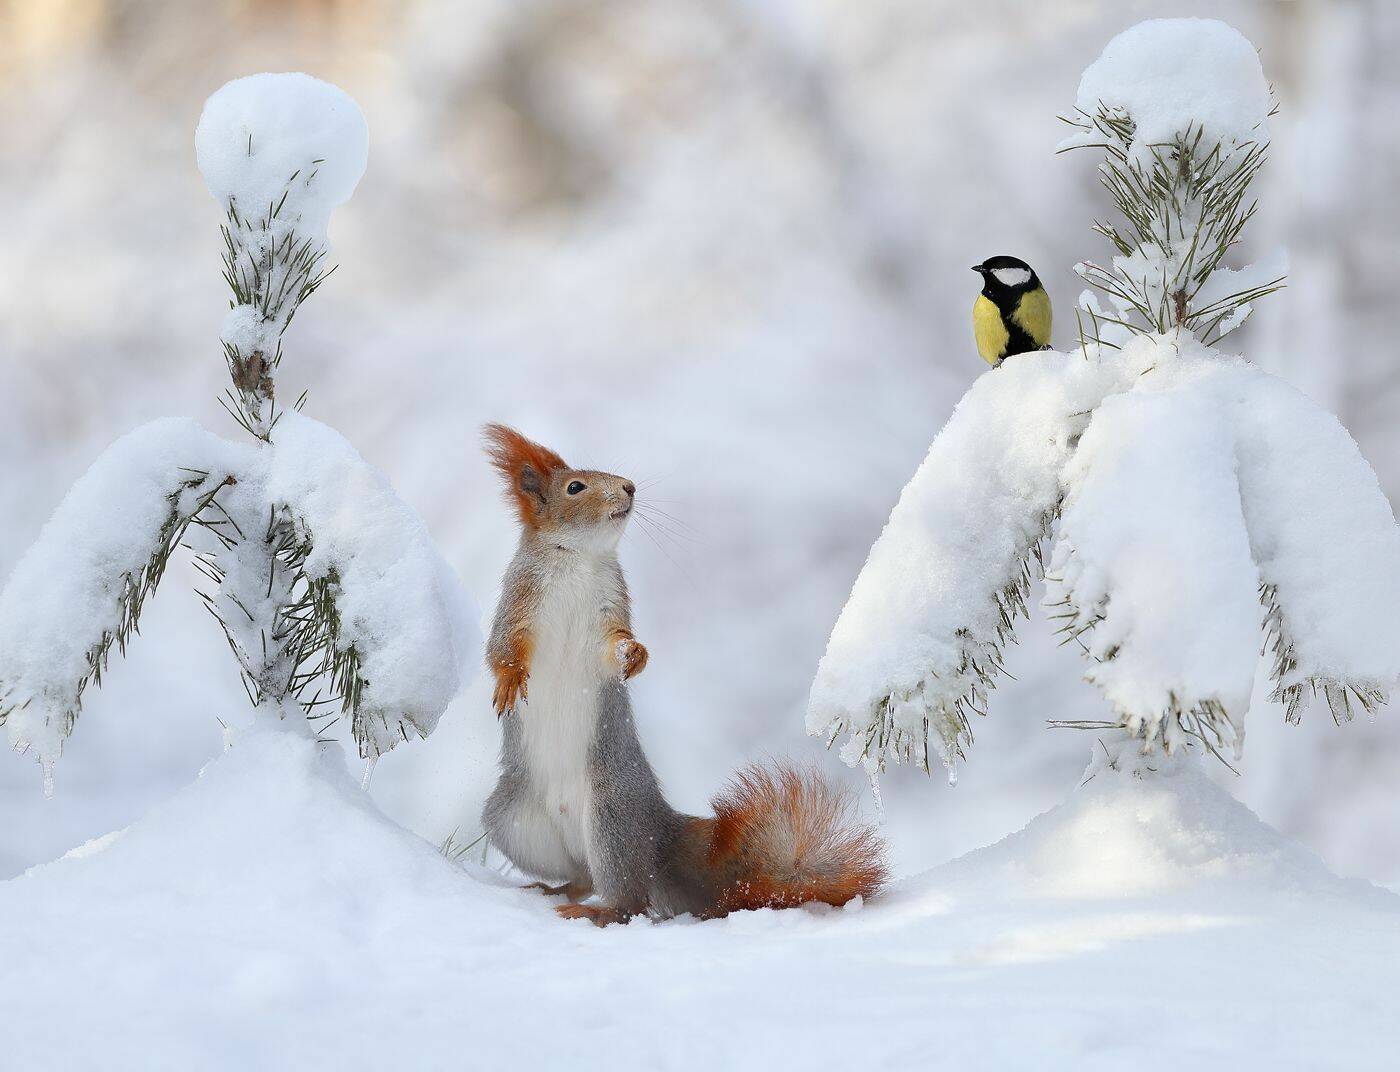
<point>577,803</point>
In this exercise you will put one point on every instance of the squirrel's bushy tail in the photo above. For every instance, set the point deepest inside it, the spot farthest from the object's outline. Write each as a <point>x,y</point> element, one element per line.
<point>782,837</point>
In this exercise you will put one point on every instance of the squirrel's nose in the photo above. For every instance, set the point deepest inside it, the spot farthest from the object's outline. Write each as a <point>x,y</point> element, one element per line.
<point>630,488</point>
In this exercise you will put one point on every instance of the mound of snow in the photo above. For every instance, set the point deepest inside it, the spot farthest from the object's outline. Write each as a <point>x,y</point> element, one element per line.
<point>256,912</point>
<point>1175,75</point>
<point>1129,834</point>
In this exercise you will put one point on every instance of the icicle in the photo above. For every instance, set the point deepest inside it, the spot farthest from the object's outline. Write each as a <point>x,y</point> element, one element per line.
<point>370,761</point>
<point>47,765</point>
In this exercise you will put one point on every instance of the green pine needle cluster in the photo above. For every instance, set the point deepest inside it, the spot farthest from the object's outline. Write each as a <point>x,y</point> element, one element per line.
<point>1295,696</point>
<point>1187,201</point>
<point>270,269</point>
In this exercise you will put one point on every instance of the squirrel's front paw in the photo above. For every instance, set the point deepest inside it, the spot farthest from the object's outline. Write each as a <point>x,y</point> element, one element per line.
<point>512,686</point>
<point>631,658</point>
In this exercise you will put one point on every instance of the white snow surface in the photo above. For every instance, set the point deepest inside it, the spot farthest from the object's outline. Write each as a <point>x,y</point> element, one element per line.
<point>1171,75</point>
<point>63,595</point>
<point>400,604</point>
<point>270,916</point>
<point>267,135</point>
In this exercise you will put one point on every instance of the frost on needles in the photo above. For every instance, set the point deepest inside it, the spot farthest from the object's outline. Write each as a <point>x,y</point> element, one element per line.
<point>330,593</point>
<point>1195,509</point>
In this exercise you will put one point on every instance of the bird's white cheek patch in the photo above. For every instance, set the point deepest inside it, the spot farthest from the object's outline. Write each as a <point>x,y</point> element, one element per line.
<point>1011,277</point>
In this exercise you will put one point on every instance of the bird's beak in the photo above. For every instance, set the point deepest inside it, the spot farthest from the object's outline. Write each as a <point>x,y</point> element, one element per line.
<point>977,268</point>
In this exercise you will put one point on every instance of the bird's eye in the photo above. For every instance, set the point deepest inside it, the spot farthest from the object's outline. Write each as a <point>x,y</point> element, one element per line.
<point>575,486</point>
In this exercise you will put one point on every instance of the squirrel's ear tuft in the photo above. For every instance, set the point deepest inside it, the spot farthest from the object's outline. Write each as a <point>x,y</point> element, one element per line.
<point>525,467</point>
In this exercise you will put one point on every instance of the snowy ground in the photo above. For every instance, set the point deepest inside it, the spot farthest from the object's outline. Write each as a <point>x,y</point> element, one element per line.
<point>269,916</point>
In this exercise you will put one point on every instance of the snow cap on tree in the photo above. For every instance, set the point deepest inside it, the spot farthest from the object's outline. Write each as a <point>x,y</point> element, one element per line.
<point>286,144</point>
<point>1176,75</point>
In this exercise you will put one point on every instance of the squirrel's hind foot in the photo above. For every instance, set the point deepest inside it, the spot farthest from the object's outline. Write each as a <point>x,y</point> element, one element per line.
<point>574,891</point>
<point>598,915</point>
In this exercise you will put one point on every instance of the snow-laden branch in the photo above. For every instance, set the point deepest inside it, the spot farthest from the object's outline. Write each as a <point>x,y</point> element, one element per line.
<point>382,618</point>
<point>81,588</point>
<point>1327,546</point>
<point>1151,575</point>
<point>919,643</point>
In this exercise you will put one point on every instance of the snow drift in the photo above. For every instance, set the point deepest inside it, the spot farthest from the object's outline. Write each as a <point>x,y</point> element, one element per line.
<point>269,915</point>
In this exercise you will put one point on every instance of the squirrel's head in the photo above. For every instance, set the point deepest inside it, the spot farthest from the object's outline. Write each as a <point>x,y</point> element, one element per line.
<point>576,508</point>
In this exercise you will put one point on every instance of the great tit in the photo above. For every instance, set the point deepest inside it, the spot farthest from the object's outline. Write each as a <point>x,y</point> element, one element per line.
<point>1012,314</point>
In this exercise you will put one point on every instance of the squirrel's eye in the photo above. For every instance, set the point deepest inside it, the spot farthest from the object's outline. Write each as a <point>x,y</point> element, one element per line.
<point>575,487</point>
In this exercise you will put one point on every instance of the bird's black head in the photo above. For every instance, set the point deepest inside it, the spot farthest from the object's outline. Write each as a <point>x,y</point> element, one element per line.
<point>1004,277</point>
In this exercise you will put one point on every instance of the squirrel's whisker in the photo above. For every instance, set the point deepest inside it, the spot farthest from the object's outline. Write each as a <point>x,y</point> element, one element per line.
<point>648,530</point>
<point>649,506</point>
<point>671,528</point>
<point>666,532</point>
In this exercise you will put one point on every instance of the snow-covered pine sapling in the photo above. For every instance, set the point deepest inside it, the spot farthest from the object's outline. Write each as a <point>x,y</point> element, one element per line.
<point>325,584</point>
<point>1195,504</point>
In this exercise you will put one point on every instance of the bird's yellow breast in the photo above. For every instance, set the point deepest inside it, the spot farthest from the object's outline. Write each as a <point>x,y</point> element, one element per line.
<point>990,332</point>
<point>1032,316</point>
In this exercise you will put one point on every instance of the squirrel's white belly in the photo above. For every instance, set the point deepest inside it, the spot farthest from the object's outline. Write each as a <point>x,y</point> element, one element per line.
<point>559,715</point>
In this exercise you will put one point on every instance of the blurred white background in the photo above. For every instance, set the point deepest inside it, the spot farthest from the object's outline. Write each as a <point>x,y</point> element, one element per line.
<point>719,246</point>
